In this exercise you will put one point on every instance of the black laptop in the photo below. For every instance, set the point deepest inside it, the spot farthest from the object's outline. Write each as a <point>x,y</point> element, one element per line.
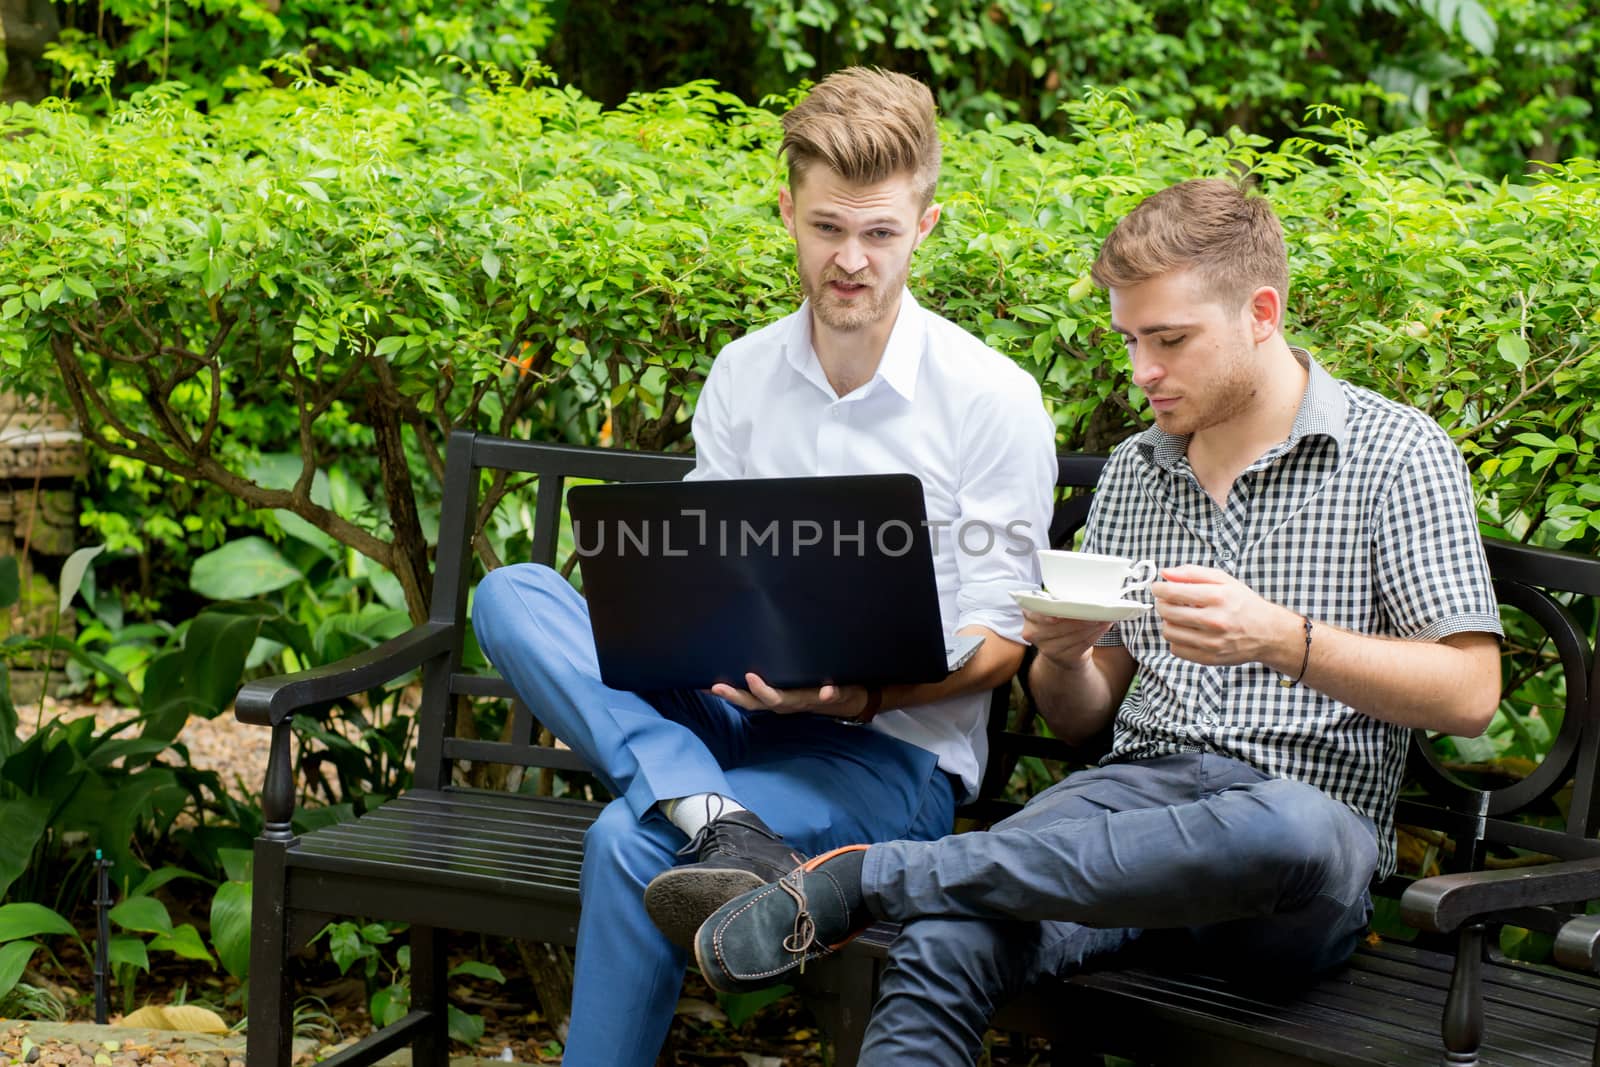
<point>803,581</point>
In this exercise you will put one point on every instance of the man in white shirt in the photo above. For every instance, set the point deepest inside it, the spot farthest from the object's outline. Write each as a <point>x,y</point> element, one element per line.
<point>860,380</point>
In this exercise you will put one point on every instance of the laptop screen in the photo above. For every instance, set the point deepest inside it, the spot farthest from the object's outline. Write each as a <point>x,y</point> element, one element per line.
<point>802,581</point>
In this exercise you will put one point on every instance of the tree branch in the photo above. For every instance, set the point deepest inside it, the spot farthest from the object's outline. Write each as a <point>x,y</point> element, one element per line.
<point>1515,402</point>
<point>134,445</point>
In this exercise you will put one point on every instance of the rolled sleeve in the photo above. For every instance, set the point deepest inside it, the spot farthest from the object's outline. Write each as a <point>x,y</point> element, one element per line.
<point>1007,479</point>
<point>1431,574</point>
<point>716,452</point>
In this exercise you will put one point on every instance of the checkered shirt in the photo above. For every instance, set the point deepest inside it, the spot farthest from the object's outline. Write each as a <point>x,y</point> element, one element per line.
<point>1363,519</point>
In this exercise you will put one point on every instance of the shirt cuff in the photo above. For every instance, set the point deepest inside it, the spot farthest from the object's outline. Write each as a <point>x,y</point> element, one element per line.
<point>1004,622</point>
<point>1469,622</point>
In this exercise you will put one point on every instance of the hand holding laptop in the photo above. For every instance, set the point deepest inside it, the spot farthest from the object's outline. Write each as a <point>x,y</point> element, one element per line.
<point>838,701</point>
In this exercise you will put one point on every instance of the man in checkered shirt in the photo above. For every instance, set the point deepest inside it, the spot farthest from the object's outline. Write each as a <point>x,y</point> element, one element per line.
<point>1322,591</point>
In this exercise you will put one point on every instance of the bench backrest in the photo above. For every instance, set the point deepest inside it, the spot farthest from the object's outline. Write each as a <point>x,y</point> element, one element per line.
<point>546,468</point>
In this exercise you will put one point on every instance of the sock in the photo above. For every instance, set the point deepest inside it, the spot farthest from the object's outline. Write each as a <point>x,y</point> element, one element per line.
<point>845,869</point>
<point>691,813</point>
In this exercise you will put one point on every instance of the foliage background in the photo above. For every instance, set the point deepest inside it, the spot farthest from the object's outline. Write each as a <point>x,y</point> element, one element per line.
<point>272,253</point>
<point>1501,83</point>
<point>345,270</point>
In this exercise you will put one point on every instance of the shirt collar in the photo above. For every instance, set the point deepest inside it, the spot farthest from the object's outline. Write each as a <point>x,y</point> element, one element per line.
<point>899,366</point>
<point>1323,412</point>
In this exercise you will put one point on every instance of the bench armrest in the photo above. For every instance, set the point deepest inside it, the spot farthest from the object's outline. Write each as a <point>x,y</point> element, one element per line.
<point>1578,944</point>
<point>271,701</point>
<point>1443,903</point>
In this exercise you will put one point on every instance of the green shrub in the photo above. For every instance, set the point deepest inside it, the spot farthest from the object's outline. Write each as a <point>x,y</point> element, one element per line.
<point>217,47</point>
<point>348,271</point>
<point>1501,82</point>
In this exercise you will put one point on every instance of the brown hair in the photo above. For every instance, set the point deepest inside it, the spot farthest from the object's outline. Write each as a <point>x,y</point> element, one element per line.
<point>1229,237</point>
<point>867,125</point>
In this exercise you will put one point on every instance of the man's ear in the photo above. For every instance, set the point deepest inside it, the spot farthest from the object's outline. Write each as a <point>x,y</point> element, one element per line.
<point>925,225</point>
<point>786,209</point>
<point>1265,309</point>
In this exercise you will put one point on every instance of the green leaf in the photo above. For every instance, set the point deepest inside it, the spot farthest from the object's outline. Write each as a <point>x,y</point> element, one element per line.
<point>202,677</point>
<point>479,969</point>
<point>72,572</point>
<point>740,1008</point>
<point>14,959</point>
<point>184,942</point>
<point>1513,349</point>
<point>144,915</point>
<point>158,878</point>
<point>464,1028</point>
<point>242,569</point>
<point>230,927</point>
<point>239,863</point>
<point>390,1004</point>
<point>314,191</point>
<point>52,292</point>
<point>81,287</point>
<point>1477,26</point>
<point>25,919</point>
<point>303,531</point>
<point>127,950</point>
<point>491,264</point>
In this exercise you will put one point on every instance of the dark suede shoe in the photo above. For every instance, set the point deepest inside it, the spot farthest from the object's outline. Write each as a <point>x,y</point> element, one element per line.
<point>737,852</point>
<point>755,940</point>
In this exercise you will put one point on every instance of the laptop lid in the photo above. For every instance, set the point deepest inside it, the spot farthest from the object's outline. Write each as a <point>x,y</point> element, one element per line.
<point>803,581</point>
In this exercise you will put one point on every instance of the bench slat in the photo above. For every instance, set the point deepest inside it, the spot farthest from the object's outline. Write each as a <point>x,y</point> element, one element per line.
<point>1370,1010</point>
<point>444,836</point>
<point>444,843</point>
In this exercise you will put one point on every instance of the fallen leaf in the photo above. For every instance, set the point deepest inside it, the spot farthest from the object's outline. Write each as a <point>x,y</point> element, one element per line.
<point>700,1011</point>
<point>151,1017</point>
<point>193,1019</point>
<point>189,1018</point>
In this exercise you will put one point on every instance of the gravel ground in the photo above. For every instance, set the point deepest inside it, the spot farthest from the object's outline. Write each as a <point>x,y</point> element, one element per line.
<point>223,744</point>
<point>82,1045</point>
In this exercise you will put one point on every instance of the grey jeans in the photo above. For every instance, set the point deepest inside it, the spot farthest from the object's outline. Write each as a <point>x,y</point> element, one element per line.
<point>1178,853</point>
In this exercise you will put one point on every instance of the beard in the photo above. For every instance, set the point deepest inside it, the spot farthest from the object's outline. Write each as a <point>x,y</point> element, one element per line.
<point>876,302</point>
<point>1230,391</point>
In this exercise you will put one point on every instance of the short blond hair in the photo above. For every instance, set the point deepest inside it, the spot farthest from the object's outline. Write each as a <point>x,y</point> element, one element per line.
<point>1213,226</point>
<point>867,125</point>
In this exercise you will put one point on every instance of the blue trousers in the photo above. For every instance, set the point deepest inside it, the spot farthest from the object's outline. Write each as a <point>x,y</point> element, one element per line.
<point>1179,853</point>
<point>818,782</point>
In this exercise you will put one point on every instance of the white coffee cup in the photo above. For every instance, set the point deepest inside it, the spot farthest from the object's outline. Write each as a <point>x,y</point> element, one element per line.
<point>1089,578</point>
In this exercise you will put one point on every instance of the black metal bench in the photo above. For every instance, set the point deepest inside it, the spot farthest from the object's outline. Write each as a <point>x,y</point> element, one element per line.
<point>444,857</point>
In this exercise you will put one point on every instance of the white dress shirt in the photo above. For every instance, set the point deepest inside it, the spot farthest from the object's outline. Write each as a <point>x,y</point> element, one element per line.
<point>943,406</point>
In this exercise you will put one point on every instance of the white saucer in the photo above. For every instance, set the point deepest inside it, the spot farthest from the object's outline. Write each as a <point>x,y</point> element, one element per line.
<point>1092,611</point>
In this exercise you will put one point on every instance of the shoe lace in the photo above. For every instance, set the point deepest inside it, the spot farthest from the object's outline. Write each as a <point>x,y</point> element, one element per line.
<point>805,930</point>
<point>710,832</point>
